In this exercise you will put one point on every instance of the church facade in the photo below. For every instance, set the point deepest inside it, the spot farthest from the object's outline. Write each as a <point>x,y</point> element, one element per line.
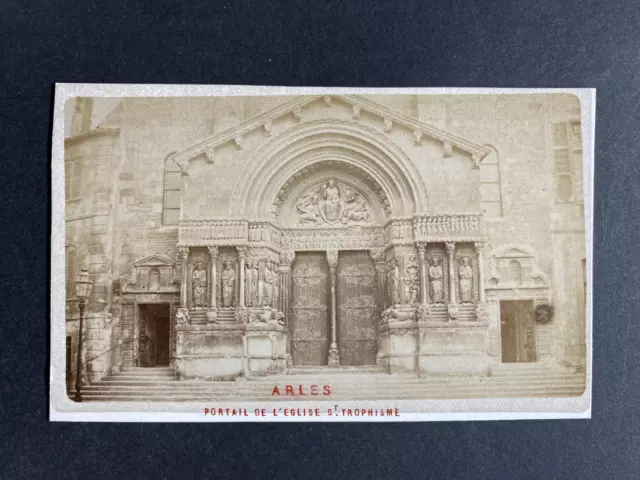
<point>245,236</point>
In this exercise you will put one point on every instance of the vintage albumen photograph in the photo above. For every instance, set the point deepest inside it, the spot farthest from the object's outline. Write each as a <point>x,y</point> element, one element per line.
<point>272,254</point>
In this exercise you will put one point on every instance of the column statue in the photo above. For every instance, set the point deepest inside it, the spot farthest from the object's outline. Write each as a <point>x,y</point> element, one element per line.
<point>267,286</point>
<point>228,285</point>
<point>276,288</point>
<point>435,281</point>
<point>199,286</point>
<point>255,275</point>
<point>248,284</point>
<point>465,276</point>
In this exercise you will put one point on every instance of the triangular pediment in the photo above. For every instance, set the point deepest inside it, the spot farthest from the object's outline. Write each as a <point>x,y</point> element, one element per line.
<point>154,261</point>
<point>513,251</point>
<point>388,120</point>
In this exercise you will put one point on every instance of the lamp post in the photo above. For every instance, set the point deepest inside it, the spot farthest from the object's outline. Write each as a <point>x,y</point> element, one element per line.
<point>83,290</point>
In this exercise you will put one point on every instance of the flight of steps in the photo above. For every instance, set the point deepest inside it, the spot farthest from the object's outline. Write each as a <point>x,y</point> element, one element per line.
<point>439,313</point>
<point>158,384</point>
<point>226,316</point>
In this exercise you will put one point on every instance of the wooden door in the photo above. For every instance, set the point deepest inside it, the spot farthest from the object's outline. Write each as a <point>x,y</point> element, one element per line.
<point>357,309</point>
<point>163,339</point>
<point>517,331</point>
<point>310,309</point>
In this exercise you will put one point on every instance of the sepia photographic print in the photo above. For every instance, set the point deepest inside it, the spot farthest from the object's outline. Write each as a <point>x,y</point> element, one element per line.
<point>308,254</point>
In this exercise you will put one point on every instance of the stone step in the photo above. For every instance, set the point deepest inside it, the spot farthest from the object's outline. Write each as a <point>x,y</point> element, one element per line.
<point>143,398</point>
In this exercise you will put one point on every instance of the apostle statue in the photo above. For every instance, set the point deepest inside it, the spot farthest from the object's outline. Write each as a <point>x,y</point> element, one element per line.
<point>276,288</point>
<point>435,281</point>
<point>199,286</point>
<point>228,284</point>
<point>255,275</point>
<point>267,286</point>
<point>465,274</point>
<point>412,284</point>
<point>394,287</point>
<point>248,284</point>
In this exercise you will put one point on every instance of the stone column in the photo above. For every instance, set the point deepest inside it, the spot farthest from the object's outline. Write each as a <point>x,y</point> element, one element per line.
<point>451,248</point>
<point>213,254</point>
<point>422,252</point>
<point>377,254</point>
<point>334,353</point>
<point>242,253</point>
<point>479,247</point>
<point>184,253</point>
<point>286,262</point>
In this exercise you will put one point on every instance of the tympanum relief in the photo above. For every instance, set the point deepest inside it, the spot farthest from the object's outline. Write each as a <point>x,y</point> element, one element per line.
<point>332,203</point>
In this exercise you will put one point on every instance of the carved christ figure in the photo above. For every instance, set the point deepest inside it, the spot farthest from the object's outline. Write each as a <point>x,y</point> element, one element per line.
<point>435,281</point>
<point>228,285</point>
<point>199,286</point>
<point>267,288</point>
<point>331,197</point>
<point>465,274</point>
<point>248,284</point>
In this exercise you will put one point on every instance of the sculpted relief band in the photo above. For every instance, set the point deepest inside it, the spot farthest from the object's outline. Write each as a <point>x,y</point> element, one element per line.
<point>242,253</point>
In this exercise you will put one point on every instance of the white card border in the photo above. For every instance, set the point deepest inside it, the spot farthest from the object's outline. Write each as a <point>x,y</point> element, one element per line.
<point>61,408</point>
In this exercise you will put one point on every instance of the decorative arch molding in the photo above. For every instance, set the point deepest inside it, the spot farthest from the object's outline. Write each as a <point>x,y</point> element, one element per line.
<point>353,145</point>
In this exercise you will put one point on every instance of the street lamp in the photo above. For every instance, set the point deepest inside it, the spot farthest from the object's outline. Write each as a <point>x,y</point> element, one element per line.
<point>83,290</point>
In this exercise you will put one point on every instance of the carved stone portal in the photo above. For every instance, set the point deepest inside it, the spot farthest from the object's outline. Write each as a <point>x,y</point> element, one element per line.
<point>332,203</point>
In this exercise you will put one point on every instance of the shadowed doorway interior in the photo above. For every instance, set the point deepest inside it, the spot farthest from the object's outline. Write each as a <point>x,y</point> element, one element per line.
<point>155,336</point>
<point>517,331</point>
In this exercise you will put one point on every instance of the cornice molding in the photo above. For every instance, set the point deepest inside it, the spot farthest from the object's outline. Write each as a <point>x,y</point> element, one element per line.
<point>389,117</point>
<point>93,133</point>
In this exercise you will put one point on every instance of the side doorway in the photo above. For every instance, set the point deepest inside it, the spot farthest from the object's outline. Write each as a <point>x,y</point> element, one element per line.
<point>517,331</point>
<point>154,347</point>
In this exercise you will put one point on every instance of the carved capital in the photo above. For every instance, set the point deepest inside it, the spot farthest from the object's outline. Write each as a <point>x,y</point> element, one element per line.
<point>479,247</point>
<point>242,251</point>
<point>332,258</point>
<point>476,160</point>
<point>451,247</point>
<point>287,257</point>
<point>213,251</point>
<point>377,254</point>
<point>183,252</point>
<point>422,249</point>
